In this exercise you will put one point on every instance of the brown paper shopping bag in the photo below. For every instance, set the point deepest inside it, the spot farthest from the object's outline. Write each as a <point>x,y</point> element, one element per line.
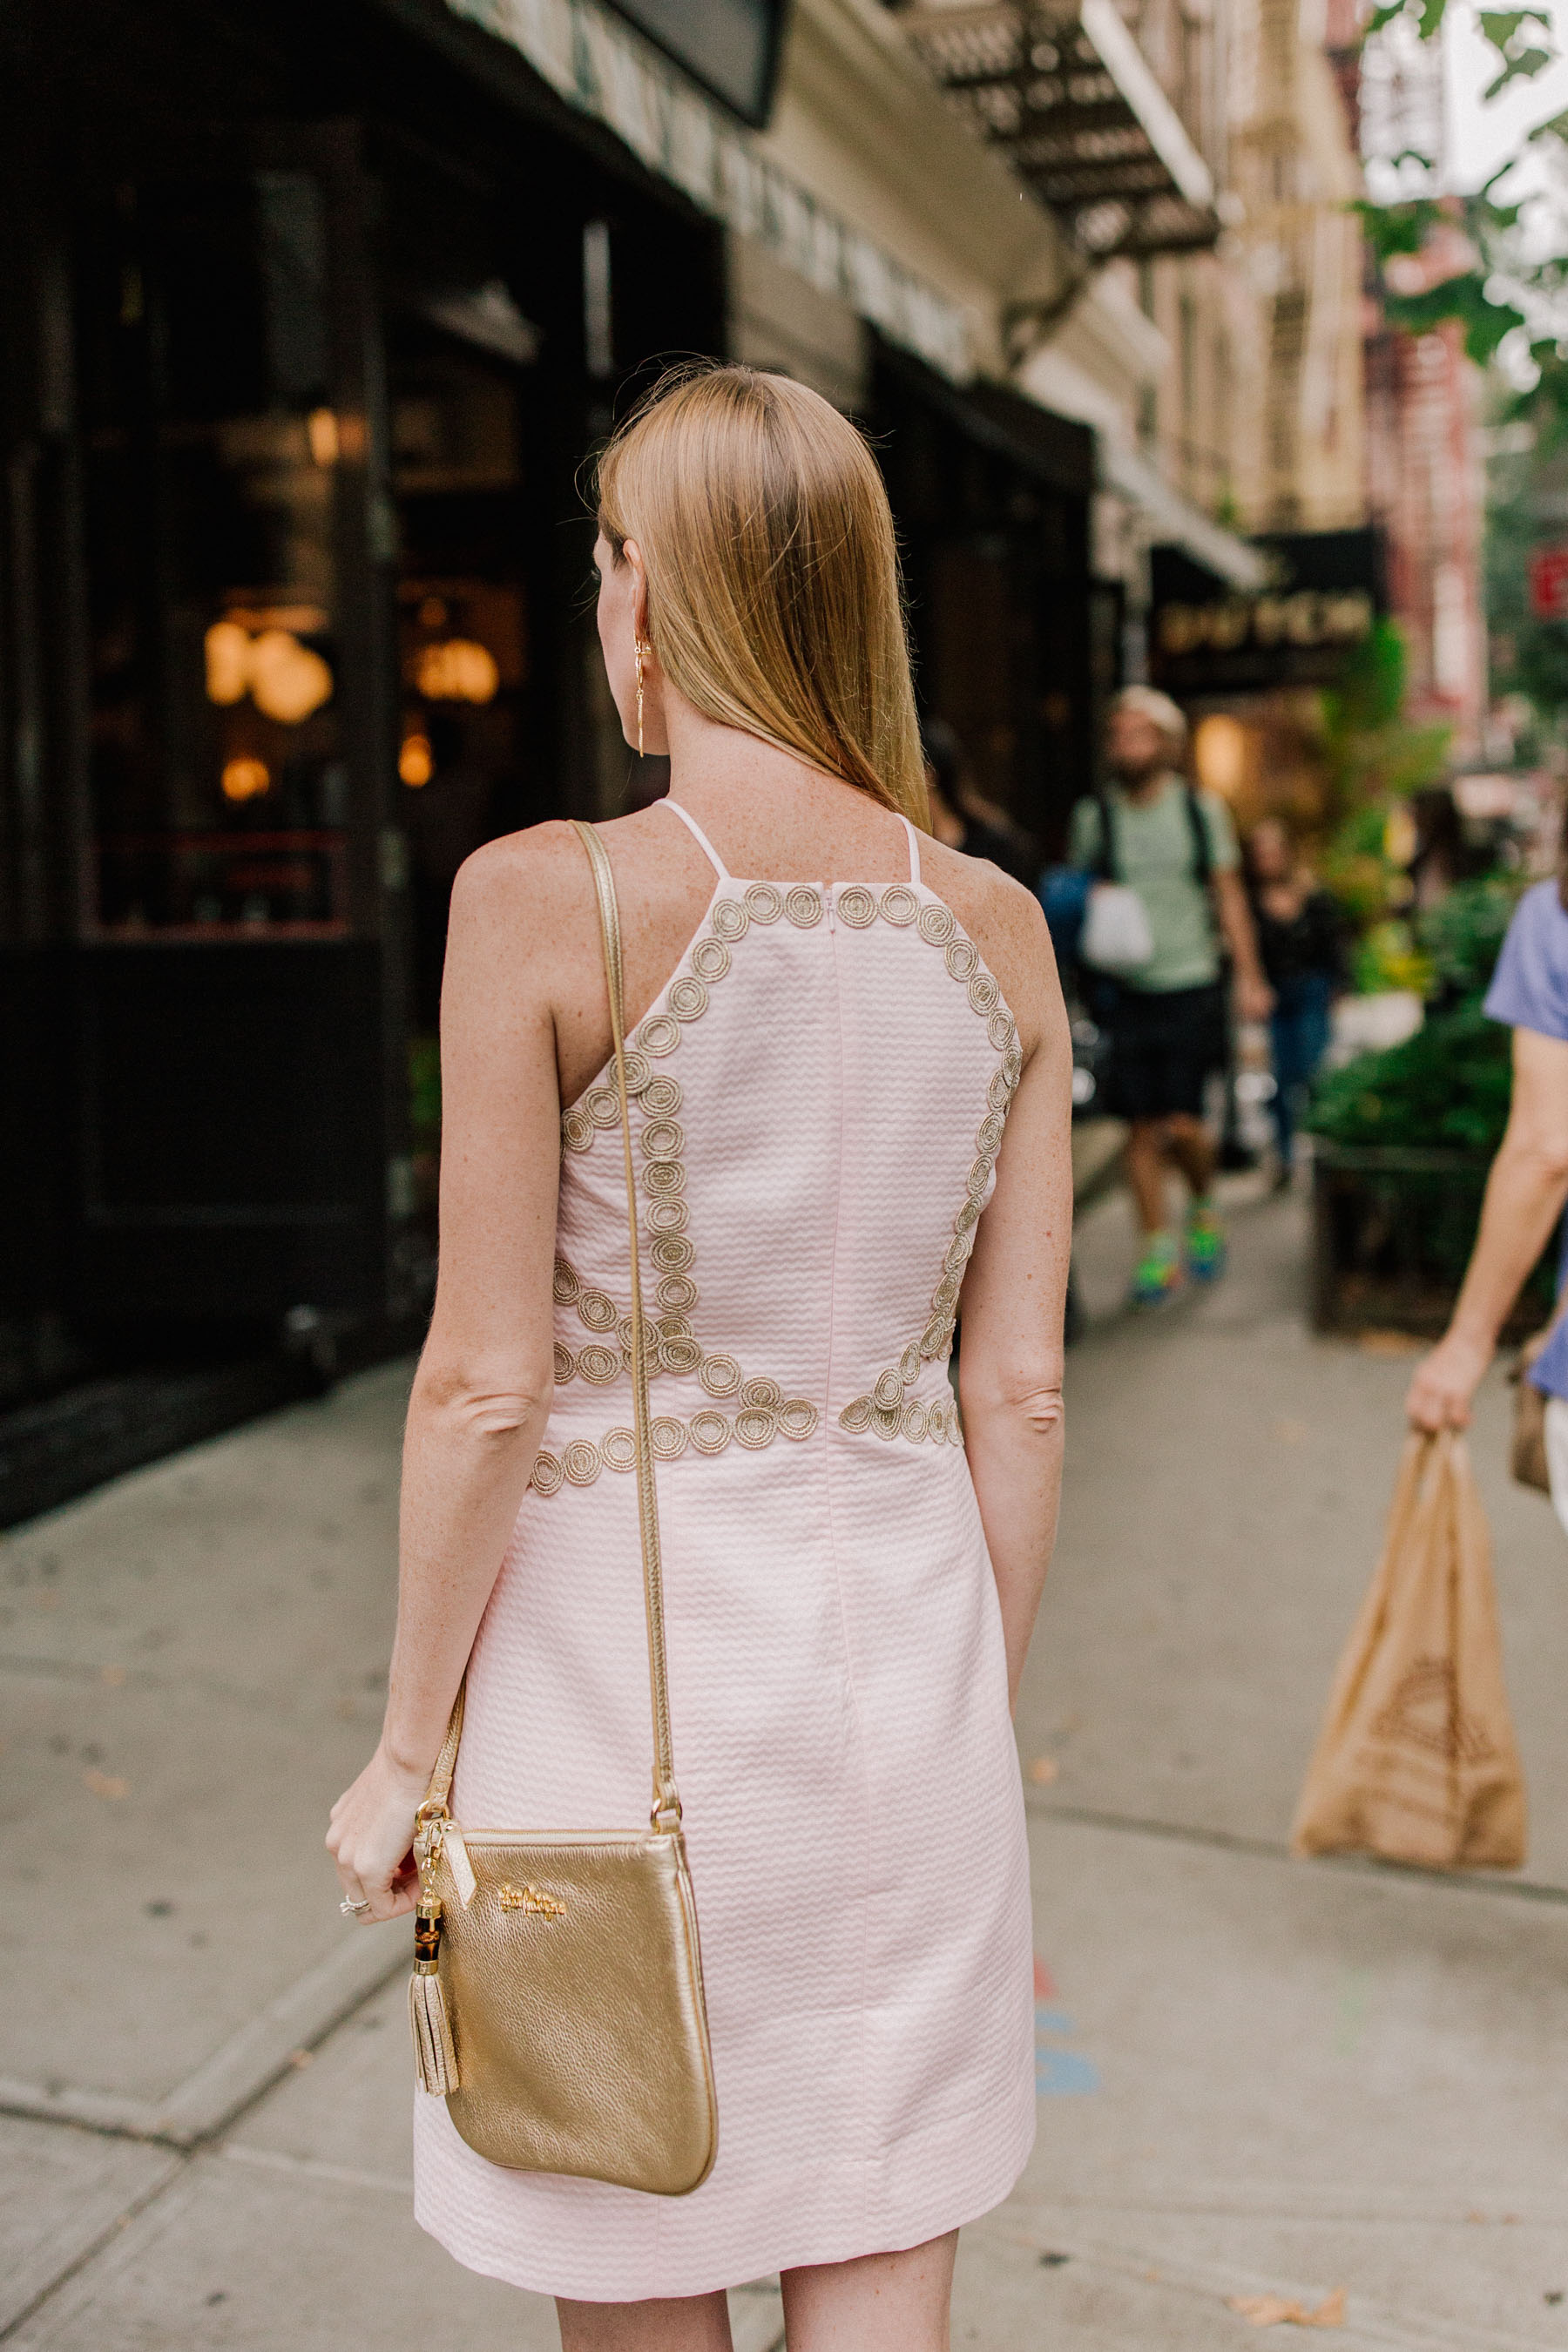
<point>1416,1758</point>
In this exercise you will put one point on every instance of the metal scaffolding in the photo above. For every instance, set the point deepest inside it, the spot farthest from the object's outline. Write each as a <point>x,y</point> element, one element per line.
<point>1067,94</point>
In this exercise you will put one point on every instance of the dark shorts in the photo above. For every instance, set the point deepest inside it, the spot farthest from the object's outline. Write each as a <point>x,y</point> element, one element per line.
<point>1165,1045</point>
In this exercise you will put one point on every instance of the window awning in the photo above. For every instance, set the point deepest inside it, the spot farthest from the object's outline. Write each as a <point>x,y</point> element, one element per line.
<point>1065,91</point>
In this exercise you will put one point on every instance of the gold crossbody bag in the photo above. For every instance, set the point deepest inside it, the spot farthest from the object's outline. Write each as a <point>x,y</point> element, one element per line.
<point>556,2000</point>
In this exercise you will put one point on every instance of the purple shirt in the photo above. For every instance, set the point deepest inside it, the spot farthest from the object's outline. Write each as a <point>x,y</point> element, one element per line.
<point>1529,991</point>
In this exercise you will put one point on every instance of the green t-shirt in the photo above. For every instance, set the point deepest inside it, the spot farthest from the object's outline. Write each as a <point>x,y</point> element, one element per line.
<point>1154,855</point>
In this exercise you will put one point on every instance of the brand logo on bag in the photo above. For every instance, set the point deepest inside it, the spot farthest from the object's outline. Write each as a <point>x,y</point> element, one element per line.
<point>532,1899</point>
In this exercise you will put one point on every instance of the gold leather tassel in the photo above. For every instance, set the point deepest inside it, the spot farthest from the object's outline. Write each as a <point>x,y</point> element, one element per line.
<point>435,2059</point>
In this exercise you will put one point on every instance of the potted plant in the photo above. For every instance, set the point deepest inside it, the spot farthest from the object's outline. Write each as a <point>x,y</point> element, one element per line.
<point>1403,1139</point>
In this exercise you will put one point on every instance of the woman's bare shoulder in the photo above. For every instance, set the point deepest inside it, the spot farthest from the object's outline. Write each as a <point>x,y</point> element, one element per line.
<point>541,862</point>
<point>547,859</point>
<point>524,928</point>
<point>1007,924</point>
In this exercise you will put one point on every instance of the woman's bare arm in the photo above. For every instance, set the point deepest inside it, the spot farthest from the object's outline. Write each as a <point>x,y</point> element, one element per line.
<point>1010,1357</point>
<point>1525,1197</point>
<point>482,1393</point>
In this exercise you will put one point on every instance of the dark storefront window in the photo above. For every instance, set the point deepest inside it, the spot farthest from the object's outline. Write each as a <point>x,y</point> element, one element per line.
<point>303,565</point>
<point>464,621</point>
<point>990,497</point>
<point>211,448</point>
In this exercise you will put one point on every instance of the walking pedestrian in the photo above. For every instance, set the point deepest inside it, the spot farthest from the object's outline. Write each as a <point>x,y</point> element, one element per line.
<point>834,1023</point>
<point>1525,1191</point>
<point>1155,834</point>
<point>1301,947</point>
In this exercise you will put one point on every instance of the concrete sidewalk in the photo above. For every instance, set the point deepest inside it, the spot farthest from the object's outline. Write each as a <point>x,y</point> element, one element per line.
<point>1256,2076</point>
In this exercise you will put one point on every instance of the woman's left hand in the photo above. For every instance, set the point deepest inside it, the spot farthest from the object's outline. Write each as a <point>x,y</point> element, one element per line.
<point>371,1837</point>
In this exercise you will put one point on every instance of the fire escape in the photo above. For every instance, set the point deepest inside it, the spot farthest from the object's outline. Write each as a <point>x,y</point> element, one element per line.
<point>1066,93</point>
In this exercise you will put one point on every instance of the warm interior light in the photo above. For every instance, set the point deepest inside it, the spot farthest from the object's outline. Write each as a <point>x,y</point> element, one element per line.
<point>457,670</point>
<point>1219,751</point>
<point>432,614</point>
<point>305,619</point>
<point>416,764</point>
<point>322,432</point>
<point>227,649</point>
<point>287,681</point>
<point>245,780</point>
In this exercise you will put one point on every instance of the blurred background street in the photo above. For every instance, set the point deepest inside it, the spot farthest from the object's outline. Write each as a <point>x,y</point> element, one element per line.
<point>1215,347</point>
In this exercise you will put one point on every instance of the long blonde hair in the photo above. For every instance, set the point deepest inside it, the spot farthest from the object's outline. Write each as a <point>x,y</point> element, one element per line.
<point>774,601</point>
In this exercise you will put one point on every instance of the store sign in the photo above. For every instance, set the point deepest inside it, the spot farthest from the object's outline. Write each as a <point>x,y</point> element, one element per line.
<point>1323,593</point>
<point>1548,583</point>
<point>731,47</point>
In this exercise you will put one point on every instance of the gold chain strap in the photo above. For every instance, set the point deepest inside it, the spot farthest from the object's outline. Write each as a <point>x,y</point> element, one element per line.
<point>666,1813</point>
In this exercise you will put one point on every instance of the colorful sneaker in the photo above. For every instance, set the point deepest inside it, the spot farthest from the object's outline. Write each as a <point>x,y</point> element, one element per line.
<point>1159,1274</point>
<point>1206,1248</point>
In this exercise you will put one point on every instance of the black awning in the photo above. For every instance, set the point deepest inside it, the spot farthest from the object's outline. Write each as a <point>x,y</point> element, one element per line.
<point>1056,451</point>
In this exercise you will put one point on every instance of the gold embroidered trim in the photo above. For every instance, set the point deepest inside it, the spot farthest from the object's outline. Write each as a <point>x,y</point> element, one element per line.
<point>757,1425</point>
<point>887,1411</point>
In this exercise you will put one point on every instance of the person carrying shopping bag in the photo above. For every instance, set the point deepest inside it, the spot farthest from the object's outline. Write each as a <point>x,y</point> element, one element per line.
<point>1525,1191</point>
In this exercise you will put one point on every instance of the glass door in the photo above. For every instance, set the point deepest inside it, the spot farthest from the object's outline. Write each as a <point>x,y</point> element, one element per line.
<point>240,895</point>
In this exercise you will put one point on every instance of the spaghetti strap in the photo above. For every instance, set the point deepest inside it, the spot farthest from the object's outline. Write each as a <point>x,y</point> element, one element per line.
<point>915,847</point>
<point>703,844</point>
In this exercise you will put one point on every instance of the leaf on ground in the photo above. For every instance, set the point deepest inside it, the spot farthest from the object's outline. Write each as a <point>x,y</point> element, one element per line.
<point>1281,2311</point>
<point>106,1784</point>
<point>1043,1770</point>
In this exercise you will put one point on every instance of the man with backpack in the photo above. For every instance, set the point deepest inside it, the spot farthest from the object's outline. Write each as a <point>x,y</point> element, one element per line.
<point>1153,837</point>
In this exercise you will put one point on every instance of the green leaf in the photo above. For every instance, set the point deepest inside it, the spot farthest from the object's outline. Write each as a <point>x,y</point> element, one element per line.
<point>1556,127</point>
<point>1463,297</point>
<point>1382,16</point>
<point>1501,25</point>
<point>1523,67</point>
<point>1431,18</point>
<point>1397,228</point>
<point>1480,206</point>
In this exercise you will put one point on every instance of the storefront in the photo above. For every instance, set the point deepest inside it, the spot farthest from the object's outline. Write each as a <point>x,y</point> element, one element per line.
<point>1249,668</point>
<point>310,327</point>
<point>991,495</point>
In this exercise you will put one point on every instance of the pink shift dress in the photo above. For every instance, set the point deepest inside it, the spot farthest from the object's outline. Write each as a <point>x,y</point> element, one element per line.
<point>819,1095</point>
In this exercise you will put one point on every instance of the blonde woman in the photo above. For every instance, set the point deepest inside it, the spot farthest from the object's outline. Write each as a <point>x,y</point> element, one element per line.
<point>859,1072</point>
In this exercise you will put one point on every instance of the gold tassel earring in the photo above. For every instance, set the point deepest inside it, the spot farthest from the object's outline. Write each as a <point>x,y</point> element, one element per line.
<point>636,643</point>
